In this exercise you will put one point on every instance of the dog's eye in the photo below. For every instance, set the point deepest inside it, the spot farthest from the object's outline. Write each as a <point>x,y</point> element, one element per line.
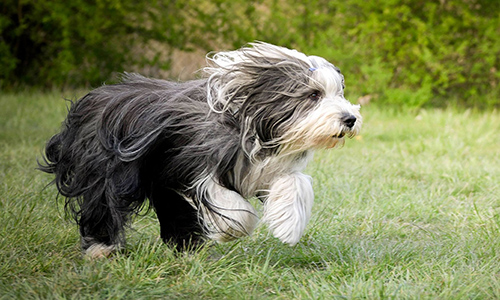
<point>315,96</point>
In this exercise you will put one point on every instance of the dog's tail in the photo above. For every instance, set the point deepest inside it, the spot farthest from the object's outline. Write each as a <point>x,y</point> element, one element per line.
<point>52,154</point>
<point>59,156</point>
<point>55,154</point>
<point>100,189</point>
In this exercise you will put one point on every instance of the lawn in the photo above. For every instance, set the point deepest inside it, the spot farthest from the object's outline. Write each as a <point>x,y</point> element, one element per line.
<point>408,210</point>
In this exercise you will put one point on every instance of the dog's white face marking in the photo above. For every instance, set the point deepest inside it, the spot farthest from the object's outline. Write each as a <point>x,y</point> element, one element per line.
<point>332,118</point>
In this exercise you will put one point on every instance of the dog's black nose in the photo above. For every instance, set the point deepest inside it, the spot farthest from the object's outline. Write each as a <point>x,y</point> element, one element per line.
<point>349,120</point>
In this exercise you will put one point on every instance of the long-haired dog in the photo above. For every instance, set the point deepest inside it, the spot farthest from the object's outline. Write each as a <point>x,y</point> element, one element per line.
<point>199,149</point>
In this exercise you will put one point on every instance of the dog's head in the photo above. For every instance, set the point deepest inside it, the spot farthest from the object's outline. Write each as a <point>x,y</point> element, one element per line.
<point>283,99</point>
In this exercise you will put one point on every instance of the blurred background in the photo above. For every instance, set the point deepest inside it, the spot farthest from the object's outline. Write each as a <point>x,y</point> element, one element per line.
<point>408,53</point>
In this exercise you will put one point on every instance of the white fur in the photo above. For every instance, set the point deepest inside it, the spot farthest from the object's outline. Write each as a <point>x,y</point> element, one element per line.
<point>288,200</point>
<point>321,128</point>
<point>233,217</point>
<point>99,251</point>
<point>288,207</point>
<point>263,173</point>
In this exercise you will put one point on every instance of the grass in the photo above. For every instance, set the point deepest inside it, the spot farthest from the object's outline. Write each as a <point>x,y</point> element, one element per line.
<point>408,210</point>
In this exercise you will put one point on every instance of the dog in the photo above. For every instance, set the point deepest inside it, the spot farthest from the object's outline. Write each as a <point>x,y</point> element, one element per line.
<point>196,151</point>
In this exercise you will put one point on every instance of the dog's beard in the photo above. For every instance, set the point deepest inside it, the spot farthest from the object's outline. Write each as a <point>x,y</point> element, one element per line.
<point>322,127</point>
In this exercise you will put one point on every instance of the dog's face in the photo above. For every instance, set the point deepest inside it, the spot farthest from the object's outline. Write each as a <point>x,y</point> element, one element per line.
<point>284,98</point>
<point>332,118</point>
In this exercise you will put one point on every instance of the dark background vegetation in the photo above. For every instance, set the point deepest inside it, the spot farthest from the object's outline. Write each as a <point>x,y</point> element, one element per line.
<point>402,52</point>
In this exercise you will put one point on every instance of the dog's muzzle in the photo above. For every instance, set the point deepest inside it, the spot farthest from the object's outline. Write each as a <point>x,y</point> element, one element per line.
<point>348,122</point>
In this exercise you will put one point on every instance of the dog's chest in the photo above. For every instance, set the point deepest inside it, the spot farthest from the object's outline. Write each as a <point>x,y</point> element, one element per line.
<point>256,178</point>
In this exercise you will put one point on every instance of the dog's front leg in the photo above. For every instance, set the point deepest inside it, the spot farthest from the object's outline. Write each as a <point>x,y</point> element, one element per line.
<point>226,214</point>
<point>288,206</point>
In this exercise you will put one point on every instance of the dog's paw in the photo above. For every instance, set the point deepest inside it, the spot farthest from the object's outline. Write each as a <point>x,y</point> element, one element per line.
<point>99,251</point>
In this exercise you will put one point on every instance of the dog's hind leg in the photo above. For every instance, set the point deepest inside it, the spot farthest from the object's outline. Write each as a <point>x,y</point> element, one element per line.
<point>95,236</point>
<point>179,222</point>
<point>288,207</point>
<point>101,224</point>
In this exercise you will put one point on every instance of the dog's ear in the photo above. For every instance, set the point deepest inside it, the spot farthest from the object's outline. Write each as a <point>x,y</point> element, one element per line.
<point>236,76</point>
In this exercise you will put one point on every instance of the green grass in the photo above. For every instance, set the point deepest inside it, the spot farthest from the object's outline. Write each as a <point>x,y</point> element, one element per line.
<point>409,210</point>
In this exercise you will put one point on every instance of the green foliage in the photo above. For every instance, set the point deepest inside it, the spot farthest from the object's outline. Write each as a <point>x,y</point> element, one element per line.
<point>401,52</point>
<point>78,42</point>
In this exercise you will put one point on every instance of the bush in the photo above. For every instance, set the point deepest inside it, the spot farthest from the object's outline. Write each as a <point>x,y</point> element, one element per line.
<point>436,50</point>
<point>79,42</point>
<point>404,52</point>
